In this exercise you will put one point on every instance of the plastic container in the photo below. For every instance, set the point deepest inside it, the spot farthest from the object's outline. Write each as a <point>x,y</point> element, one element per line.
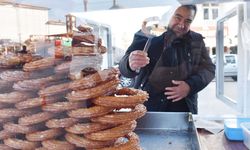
<point>232,128</point>
<point>246,133</point>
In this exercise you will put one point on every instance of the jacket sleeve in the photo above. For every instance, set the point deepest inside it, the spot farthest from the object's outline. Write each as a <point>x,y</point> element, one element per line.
<point>138,44</point>
<point>205,72</point>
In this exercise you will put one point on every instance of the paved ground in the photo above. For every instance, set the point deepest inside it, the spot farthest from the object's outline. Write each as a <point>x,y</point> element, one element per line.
<point>210,106</point>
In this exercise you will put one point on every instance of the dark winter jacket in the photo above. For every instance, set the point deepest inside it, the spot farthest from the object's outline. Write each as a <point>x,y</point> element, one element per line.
<point>198,67</point>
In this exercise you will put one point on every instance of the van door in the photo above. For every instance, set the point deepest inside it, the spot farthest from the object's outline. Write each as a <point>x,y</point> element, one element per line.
<point>230,66</point>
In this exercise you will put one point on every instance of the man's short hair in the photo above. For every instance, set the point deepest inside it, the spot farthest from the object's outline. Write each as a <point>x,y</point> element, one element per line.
<point>190,7</point>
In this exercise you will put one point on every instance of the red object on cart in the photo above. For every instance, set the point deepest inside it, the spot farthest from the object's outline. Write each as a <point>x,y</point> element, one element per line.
<point>58,42</point>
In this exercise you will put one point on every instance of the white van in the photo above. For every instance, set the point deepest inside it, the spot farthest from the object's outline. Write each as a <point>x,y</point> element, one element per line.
<point>230,65</point>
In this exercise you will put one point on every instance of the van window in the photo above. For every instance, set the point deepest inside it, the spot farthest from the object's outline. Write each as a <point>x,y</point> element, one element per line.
<point>230,59</point>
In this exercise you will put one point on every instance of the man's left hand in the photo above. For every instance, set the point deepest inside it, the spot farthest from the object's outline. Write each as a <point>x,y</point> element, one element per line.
<point>179,90</point>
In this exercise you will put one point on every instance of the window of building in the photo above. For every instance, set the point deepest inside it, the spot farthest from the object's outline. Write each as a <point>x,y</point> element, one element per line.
<point>206,14</point>
<point>215,13</point>
<point>210,11</point>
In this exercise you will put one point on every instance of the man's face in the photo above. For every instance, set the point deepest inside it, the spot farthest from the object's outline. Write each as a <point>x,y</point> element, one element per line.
<point>181,21</point>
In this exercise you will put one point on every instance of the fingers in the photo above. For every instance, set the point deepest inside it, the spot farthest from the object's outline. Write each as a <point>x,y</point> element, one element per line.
<point>138,59</point>
<point>172,94</point>
<point>179,91</point>
<point>176,83</point>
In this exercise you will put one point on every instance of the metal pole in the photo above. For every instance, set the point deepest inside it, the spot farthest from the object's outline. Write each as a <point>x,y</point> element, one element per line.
<point>85,3</point>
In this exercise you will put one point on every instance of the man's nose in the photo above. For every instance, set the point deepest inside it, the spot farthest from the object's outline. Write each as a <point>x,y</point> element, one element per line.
<point>181,24</point>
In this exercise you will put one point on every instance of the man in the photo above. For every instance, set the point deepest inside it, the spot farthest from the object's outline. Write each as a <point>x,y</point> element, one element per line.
<point>176,67</point>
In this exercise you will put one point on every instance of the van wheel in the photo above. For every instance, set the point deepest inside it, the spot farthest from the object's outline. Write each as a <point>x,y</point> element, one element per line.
<point>234,78</point>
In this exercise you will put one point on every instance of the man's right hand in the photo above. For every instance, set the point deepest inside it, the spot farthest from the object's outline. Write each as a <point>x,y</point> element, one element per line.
<point>138,59</point>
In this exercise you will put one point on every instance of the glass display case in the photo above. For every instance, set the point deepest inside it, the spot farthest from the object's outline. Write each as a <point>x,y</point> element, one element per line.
<point>55,79</point>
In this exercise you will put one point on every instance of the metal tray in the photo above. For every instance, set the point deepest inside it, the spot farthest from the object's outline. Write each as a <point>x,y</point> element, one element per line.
<point>167,131</point>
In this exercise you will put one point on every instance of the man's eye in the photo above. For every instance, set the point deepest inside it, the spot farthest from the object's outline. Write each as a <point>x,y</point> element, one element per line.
<point>188,21</point>
<point>177,18</point>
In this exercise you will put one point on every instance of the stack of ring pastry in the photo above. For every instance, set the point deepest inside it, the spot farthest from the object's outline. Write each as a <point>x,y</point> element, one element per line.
<point>94,92</point>
<point>6,134</point>
<point>36,102</point>
<point>63,68</point>
<point>35,118</point>
<point>122,117</point>
<point>11,112</point>
<point>112,133</point>
<point>54,89</point>
<point>125,97</point>
<point>62,106</point>
<point>17,128</point>
<point>81,141</point>
<point>13,76</point>
<point>85,128</point>
<point>129,142</point>
<point>40,64</point>
<point>5,86</point>
<point>5,147</point>
<point>92,80</point>
<point>14,97</point>
<point>93,111</point>
<point>107,124</point>
<point>57,145</point>
<point>21,144</point>
<point>36,84</point>
<point>44,135</point>
<point>53,112</point>
<point>61,123</point>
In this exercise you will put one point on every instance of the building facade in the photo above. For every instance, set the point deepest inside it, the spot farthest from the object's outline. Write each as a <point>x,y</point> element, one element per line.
<point>19,21</point>
<point>205,23</point>
<point>55,27</point>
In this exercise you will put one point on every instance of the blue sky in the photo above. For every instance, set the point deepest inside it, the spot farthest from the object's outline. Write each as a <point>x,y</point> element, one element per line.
<point>58,8</point>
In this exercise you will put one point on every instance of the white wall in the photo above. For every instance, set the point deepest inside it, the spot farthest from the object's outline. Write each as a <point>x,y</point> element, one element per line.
<point>32,22</point>
<point>8,25</point>
<point>19,23</point>
<point>56,29</point>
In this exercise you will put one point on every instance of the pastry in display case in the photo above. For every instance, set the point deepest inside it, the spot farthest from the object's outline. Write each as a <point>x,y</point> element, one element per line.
<point>84,42</point>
